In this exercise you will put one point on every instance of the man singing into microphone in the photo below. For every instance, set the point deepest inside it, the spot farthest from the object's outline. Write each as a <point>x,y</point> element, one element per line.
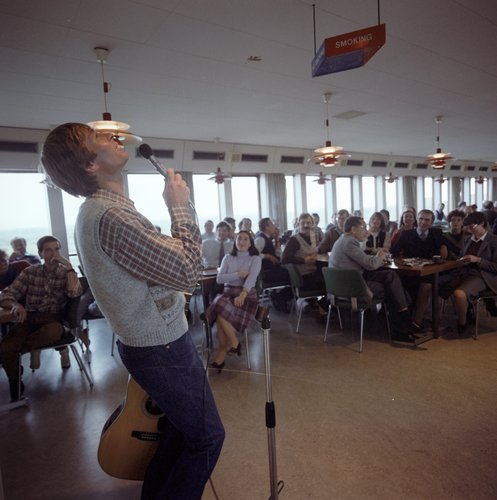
<point>137,276</point>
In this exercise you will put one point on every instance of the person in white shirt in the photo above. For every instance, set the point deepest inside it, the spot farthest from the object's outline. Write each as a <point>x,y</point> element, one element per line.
<point>213,250</point>
<point>209,231</point>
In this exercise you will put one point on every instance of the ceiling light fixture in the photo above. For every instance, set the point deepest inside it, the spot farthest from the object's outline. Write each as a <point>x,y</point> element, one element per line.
<point>219,176</point>
<point>321,178</point>
<point>107,124</point>
<point>438,159</point>
<point>391,178</point>
<point>328,155</point>
<point>441,179</point>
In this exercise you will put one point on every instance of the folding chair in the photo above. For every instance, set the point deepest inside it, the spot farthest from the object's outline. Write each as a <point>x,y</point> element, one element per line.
<point>346,288</point>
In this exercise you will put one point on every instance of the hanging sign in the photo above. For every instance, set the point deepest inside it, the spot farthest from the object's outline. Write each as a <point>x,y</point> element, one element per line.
<point>348,51</point>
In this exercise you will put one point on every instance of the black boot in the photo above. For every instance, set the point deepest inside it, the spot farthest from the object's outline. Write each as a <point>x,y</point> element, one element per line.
<point>16,389</point>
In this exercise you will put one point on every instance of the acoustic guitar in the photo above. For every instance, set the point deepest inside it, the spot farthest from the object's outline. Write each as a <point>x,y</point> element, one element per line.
<point>130,436</point>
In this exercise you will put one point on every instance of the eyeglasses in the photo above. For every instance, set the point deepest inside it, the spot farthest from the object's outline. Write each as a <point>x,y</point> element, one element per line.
<point>109,135</point>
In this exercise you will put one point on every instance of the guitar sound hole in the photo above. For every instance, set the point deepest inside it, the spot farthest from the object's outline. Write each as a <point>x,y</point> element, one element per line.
<point>152,408</point>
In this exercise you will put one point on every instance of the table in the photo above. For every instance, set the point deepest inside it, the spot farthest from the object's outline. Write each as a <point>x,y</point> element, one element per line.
<point>428,269</point>
<point>323,257</point>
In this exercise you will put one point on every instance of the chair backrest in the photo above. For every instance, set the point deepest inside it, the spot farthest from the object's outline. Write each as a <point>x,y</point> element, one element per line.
<point>295,276</point>
<point>346,283</point>
<point>70,314</point>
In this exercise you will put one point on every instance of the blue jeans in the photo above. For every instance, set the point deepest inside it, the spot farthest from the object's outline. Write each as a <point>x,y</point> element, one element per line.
<point>192,434</point>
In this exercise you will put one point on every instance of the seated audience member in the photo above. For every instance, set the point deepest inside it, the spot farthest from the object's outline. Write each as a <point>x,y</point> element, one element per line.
<point>333,233</point>
<point>44,289</point>
<point>390,225</point>
<point>489,212</point>
<point>333,221</point>
<point>454,239</point>
<point>357,213</point>
<point>232,224</point>
<point>213,250</point>
<point>209,233</point>
<point>480,273</point>
<point>237,305</point>
<point>439,214</point>
<point>300,251</point>
<point>246,225</point>
<point>318,232</point>
<point>10,270</point>
<point>407,221</point>
<point>271,266</point>
<point>424,242</point>
<point>272,271</point>
<point>19,253</point>
<point>347,254</point>
<point>378,238</point>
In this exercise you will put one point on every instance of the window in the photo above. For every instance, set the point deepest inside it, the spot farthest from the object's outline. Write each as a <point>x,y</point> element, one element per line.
<point>344,193</point>
<point>315,197</point>
<point>206,200</point>
<point>245,196</point>
<point>428,201</point>
<point>146,192</point>
<point>290,201</point>
<point>368,197</point>
<point>24,203</point>
<point>391,202</point>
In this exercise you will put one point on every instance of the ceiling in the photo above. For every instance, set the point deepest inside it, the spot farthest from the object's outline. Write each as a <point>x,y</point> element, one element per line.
<point>181,69</point>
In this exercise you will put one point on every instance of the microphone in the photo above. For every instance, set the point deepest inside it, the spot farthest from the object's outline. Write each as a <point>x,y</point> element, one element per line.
<point>148,153</point>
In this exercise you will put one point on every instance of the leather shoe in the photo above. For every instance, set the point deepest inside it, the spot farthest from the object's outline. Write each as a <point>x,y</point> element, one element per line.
<point>404,337</point>
<point>218,366</point>
<point>416,329</point>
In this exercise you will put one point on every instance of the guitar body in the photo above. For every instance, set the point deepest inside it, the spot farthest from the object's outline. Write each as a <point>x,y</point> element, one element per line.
<point>130,437</point>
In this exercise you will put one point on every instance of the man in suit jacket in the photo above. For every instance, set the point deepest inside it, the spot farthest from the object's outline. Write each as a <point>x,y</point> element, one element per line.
<point>347,254</point>
<point>424,242</point>
<point>480,273</point>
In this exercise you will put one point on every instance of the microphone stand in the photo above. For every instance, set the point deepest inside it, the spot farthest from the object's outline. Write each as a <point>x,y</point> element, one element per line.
<point>275,485</point>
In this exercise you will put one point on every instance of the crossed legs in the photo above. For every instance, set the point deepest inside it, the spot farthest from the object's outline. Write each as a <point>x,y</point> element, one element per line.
<point>226,336</point>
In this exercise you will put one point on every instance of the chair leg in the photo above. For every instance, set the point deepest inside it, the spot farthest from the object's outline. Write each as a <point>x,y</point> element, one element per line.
<point>81,365</point>
<point>476,307</point>
<point>362,327</point>
<point>300,316</point>
<point>327,323</point>
<point>387,321</point>
<point>247,347</point>
<point>339,318</point>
